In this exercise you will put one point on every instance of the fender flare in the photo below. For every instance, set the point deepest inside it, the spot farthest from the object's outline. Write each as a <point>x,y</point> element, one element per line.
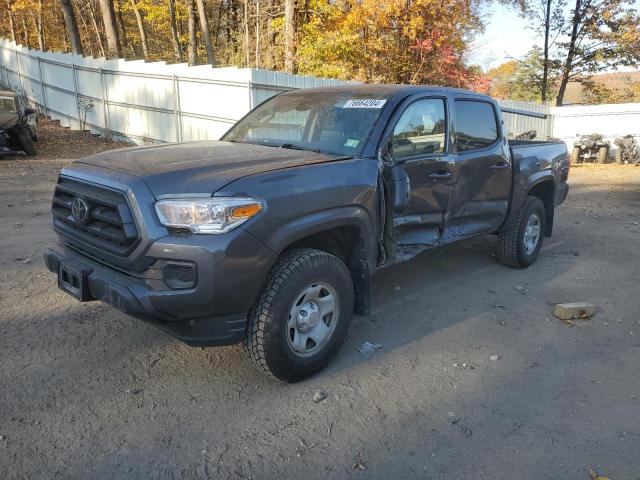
<point>523,190</point>
<point>317,222</point>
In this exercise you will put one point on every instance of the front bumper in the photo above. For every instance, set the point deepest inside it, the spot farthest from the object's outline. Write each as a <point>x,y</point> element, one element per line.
<point>212,313</point>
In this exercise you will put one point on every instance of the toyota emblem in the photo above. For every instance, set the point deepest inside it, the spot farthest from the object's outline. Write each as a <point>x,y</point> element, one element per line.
<point>80,210</point>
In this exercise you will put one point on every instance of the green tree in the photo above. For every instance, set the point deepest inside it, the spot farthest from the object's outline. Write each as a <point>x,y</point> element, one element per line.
<point>601,35</point>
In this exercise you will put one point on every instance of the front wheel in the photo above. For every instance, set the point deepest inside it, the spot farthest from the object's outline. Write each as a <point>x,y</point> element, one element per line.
<point>520,241</point>
<point>603,154</point>
<point>575,155</point>
<point>302,315</point>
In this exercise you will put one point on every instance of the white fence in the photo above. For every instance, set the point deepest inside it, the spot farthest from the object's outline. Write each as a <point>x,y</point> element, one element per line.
<point>143,102</point>
<point>156,102</point>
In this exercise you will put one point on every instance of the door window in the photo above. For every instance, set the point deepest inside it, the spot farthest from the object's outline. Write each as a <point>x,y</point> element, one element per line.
<point>476,125</point>
<point>421,129</point>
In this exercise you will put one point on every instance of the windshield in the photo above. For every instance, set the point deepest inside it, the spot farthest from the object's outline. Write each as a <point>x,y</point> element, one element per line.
<point>7,104</point>
<point>330,122</point>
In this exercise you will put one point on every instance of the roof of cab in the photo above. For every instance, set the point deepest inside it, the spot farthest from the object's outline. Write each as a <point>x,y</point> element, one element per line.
<point>389,89</point>
<point>7,93</point>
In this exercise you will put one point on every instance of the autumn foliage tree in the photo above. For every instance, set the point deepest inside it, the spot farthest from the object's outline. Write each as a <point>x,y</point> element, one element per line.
<point>394,41</point>
<point>402,41</point>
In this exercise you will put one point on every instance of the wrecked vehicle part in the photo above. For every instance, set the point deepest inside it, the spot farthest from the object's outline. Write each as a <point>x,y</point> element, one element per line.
<point>628,150</point>
<point>590,148</point>
<point>18,125</point>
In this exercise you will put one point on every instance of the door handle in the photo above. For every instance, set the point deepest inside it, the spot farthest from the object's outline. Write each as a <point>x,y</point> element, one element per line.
<point>499,166</point>
<point>440,175</point>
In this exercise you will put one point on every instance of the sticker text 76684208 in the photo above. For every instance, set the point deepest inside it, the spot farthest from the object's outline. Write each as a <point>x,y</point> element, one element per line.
<point>365,103</point>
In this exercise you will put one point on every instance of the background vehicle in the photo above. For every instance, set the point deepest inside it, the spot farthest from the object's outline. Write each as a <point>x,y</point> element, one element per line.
<point>590,148</point>
<point>528,135</point>
<point>18,125</point>
<point>270,236</point>
<point>628,150</point>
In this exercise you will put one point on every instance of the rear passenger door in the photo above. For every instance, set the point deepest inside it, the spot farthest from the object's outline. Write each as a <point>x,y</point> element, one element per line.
<point>480,200</point>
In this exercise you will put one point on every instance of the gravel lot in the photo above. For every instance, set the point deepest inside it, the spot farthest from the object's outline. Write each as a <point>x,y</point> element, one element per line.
<point>86,392</point>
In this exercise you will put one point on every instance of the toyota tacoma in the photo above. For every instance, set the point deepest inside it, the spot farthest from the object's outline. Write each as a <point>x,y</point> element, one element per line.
<point>271,235</point>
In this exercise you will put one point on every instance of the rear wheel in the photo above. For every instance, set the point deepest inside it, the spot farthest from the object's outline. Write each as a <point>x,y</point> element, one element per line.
<point>302,316</point>
<point>520,241</point>
<point>24,141</point>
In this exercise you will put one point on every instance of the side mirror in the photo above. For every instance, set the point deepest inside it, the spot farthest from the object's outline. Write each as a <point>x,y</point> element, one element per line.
<point>29,111</point>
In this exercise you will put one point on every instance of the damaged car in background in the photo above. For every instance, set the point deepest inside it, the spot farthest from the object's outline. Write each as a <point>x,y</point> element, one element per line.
<point>271,235</point>
<point>18,125</point>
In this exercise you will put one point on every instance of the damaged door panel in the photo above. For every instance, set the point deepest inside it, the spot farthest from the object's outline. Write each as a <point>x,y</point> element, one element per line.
<point>418,145</point>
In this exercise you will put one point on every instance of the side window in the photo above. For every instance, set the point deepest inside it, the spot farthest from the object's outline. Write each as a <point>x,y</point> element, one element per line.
<point>476,125</point>
<point>420,130</point>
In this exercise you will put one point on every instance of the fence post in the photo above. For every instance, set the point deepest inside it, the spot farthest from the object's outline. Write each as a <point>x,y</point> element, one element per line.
<point>176,108</point>
<point>44,89</point>
<point>19,70</point>
<point>76,93</point>
<point>105,107</point>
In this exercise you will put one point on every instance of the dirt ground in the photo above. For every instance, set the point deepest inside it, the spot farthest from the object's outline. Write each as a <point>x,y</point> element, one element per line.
<point>86,392</point>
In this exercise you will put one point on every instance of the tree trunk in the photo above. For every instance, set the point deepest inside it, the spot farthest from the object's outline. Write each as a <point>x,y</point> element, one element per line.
<point>114,50</point>
<point>204,30</point>
<point>12,25</point>
<point>62,25</point>
<point>257,33</point>
<point>193,41</point>
<point>143,35</point>
<point>122,26</point>
<point>87,35</point>
<point>96,28</point>
<point>568,64</point>
<point>25,32</point>
<point>246,33</point>
<point>545,60</point>
<point>37,20</point>
<point>289,35</point>
<point>71,26</point>
<point>177,48</point>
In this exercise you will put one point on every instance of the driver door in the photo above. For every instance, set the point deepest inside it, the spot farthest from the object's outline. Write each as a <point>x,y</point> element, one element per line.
<point>420,141</point>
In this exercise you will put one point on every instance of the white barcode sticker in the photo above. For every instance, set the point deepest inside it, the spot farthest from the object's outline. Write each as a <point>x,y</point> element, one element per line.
<point>364,103</point>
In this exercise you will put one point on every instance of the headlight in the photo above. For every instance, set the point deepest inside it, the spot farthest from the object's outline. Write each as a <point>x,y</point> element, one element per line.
<point>207,215</point>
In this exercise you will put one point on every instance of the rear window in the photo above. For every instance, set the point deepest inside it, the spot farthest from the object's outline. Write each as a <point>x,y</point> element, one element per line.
<point>476,125</point>
<point>7,104</point>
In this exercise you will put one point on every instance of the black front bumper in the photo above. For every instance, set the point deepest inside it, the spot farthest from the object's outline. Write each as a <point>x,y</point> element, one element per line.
<point>134,297</point>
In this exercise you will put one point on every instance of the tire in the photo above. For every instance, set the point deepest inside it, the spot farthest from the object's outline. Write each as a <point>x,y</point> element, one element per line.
<point>575,155</point>
<point>290,285</point>
<point>619,156</point>
<point>513,248</point>
<point>25,142</point>
<point>603,153</point>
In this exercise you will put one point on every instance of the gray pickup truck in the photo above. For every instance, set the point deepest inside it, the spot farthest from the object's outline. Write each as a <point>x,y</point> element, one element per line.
<point>270,236</point>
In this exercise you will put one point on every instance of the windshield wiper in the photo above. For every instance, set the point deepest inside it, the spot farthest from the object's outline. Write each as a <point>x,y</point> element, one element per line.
<point>293,146</point>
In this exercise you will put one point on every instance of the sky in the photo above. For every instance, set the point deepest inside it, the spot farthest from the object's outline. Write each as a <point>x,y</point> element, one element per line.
<point>506,36</point>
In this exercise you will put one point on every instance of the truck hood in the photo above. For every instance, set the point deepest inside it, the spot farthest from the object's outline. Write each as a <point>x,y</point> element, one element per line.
<point>200,167</point>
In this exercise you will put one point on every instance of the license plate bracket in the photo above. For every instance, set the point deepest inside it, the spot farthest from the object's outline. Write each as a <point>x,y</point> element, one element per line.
<point>73,279</point>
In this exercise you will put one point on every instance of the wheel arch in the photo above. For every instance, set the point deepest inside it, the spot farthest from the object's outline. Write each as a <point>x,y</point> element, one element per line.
<point>346,233</point>
<point>545,190</point>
